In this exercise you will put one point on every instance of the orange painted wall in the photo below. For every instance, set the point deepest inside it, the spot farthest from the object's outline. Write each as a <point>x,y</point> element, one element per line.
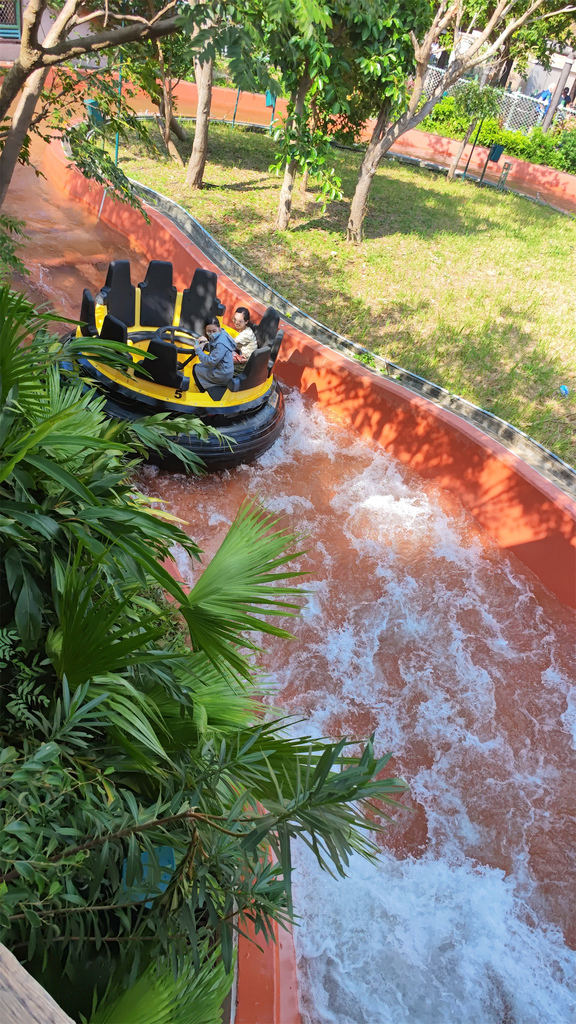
<point>557,187</point>
<point>526,514</point>
<point>522,511</point>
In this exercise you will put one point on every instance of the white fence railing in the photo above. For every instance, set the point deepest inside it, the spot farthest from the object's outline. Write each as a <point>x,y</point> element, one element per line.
<point>519,113</point>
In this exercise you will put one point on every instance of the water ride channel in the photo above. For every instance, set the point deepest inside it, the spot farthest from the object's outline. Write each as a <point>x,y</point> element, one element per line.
<point>438,615</point>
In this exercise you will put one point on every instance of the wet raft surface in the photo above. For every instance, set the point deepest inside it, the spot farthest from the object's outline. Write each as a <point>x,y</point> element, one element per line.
<point>416,628</point>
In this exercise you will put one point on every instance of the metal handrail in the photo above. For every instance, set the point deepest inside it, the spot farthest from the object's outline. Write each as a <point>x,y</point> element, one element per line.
<point>521,444</point>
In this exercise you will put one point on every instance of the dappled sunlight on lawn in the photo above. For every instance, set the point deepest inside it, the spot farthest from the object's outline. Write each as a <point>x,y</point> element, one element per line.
<point>469,288</point>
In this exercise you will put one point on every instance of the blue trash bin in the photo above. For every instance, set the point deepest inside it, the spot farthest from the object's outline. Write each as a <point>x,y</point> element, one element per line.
<point>495,153</point>
<point>95,115</point>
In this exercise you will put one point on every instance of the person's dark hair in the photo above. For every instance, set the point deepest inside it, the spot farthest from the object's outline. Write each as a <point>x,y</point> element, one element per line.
<point>245,313</point>
<point>212,320</point>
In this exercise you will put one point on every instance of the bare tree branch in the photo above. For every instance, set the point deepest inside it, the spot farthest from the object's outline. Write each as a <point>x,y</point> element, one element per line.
<point>31,22</point>
<point>553,14</point>
<point>69,49</point>
<point>89,17</point>
<point>450,14</point>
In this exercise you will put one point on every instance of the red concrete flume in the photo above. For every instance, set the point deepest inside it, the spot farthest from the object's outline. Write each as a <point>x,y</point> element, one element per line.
<point>416,626</point>
<point>524,513</point>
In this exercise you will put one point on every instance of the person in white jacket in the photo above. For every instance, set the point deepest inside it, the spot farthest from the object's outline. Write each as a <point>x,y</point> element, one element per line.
<point>246,342</point>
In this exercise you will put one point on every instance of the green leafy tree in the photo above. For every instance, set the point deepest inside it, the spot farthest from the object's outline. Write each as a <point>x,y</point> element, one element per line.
<point>142,782</point>
<point>405,104</point>
<point>336,80</point>
<point>12,234</point>
<point>474,103</point>
<point>156,68</point>
<point>78,30</point>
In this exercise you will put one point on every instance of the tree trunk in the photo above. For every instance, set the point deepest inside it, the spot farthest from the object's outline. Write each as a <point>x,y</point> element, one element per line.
<point>166,108</point>
<point>167,104</point>
<point>19,128</point>
<point>358,206</point>
<point>177,129</point>
<point>195,173</point>
<point>12,82</point>
<point>175,126</point>
<point>306,174</point>
<point>285,201</point>
<point>170,147</point>
<point>377,146</point>
<point>457,158</point>
<point>505,73</point>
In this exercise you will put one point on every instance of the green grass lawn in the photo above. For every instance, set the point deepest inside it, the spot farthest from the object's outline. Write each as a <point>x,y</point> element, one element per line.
<point>469,288</point>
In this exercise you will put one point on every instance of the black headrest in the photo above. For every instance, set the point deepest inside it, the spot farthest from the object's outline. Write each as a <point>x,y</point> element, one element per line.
<point>118,294</point>
<point>113,329</point>
<point>88,313</point>
<point>256,371</point>
<point>266,330</point>
<point>158,296</point>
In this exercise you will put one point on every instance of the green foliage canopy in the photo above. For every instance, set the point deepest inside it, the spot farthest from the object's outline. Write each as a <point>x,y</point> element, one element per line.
<point>142,782</point>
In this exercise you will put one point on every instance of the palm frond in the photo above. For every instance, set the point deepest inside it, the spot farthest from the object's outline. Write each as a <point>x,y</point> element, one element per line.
<point>158,997</point>
<point>19,319</point>
<point>92,639</point>
<point>240,584</point>
<point>159,434</point>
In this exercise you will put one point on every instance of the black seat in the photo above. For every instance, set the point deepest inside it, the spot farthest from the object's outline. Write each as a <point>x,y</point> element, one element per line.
<point>274,350</point>
<point>158,295</point>
<point>119,294</point>
<point>114,330</point>
<point>256,371</point>
<point>199,301</point>
<point>267,329</point>
<point>216,392</point>
<point>163,368</point>
<point>88,314</point>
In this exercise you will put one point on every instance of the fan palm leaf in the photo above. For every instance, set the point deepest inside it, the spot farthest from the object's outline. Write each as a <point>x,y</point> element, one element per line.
<point>240,584</point>
<point>158,997</point>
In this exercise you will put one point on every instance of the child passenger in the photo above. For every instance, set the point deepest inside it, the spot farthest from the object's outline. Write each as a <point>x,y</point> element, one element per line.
<point>246,342</point>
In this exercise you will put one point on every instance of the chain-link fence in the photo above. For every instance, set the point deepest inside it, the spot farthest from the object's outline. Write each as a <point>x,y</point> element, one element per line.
<point>518,113</point>
<point>9,19</point>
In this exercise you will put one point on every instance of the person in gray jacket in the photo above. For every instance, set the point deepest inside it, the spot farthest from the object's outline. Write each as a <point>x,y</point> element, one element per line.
<point>216,366</point>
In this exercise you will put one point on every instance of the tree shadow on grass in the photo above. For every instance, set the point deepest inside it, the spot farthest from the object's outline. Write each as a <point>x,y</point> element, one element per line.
<point>230,147</point>
<point>407,208</point>
<point>241,186</point>
<point>416,201</point>
<point>498,366</point>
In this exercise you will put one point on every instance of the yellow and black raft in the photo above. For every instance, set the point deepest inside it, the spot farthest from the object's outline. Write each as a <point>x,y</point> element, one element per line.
<point>160,326</point>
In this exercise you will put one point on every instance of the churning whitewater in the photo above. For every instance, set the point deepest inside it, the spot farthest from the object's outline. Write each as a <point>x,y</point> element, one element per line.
<point>415,627</point>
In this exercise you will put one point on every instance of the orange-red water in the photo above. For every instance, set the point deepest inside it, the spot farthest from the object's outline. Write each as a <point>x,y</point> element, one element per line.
<point>416,628</point>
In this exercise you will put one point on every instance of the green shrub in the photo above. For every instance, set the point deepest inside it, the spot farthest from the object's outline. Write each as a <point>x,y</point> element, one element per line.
<point>142,788</point>
<point>566,155</point>
<point>556,148</point>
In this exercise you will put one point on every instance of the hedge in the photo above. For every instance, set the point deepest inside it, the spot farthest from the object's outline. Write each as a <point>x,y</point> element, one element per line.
<point>556,148</point>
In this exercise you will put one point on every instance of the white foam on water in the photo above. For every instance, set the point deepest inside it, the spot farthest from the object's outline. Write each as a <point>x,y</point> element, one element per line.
<point>442,628</point>
<point>569,716</point>
<point>425,942</point>
<point>415,627</point>
<point>184,564</point>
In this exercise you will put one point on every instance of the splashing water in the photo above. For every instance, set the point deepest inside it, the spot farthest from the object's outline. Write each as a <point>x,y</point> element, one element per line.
<point>417,628</point>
